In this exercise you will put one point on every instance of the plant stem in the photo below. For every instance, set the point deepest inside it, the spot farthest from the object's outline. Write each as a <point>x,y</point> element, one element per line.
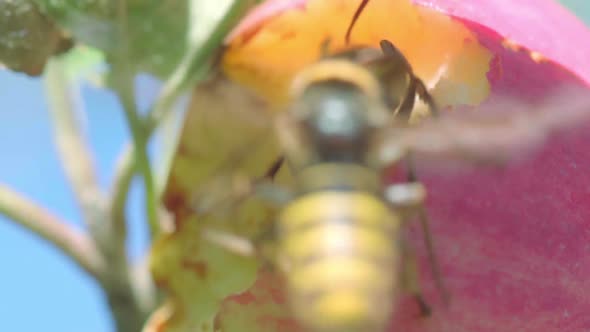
<point>142,161</point>
<point>124,73</point>
<point>73,149</point>
<point>192,67</point>
<point>51,228</point>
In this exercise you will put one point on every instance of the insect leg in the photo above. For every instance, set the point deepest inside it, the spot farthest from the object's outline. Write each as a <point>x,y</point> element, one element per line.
<point>241,245</point>
<point>416,85</point>
<point>407,105</point>
<point>260,247</point>
<point>261,244</point>
<point>274,168</point>
<point>426,96</point>
<point>265,187</point>
<point>233,243</point>
<point>243,187</point>
<point>425,225</point>
<point>410,278</point>
<point>406,198</point>
<point>393,52</point>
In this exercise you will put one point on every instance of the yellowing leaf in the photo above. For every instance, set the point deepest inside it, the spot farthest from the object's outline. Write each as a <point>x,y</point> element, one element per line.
<point>226,139</point>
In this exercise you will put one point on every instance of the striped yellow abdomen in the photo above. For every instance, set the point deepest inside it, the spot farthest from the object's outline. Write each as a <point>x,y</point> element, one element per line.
<point>338,252</point>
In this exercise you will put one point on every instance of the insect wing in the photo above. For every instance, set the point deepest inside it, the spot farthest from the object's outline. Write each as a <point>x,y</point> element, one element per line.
<point>492,134</point>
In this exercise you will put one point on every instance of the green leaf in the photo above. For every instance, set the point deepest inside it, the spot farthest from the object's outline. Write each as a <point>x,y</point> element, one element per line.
<point>84,63</point>
<point>163,34</point>
<point>157,29</point>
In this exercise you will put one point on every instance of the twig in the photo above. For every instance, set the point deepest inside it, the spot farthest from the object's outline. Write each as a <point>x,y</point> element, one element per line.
<point>71,143</point>
<point>51,228</point>
<point>124,86</point>
<point>142,161</point>
<point>121,185</point>
<point>191,68</point>
<point>127,158</point>
<point>146,293</point>
<point>104,255</point>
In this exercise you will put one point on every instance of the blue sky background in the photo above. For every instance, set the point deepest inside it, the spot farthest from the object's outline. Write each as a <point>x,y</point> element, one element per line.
<point>40,289</point>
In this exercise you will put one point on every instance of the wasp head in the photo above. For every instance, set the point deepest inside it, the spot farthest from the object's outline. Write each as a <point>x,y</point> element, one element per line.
<point>336,109</point>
